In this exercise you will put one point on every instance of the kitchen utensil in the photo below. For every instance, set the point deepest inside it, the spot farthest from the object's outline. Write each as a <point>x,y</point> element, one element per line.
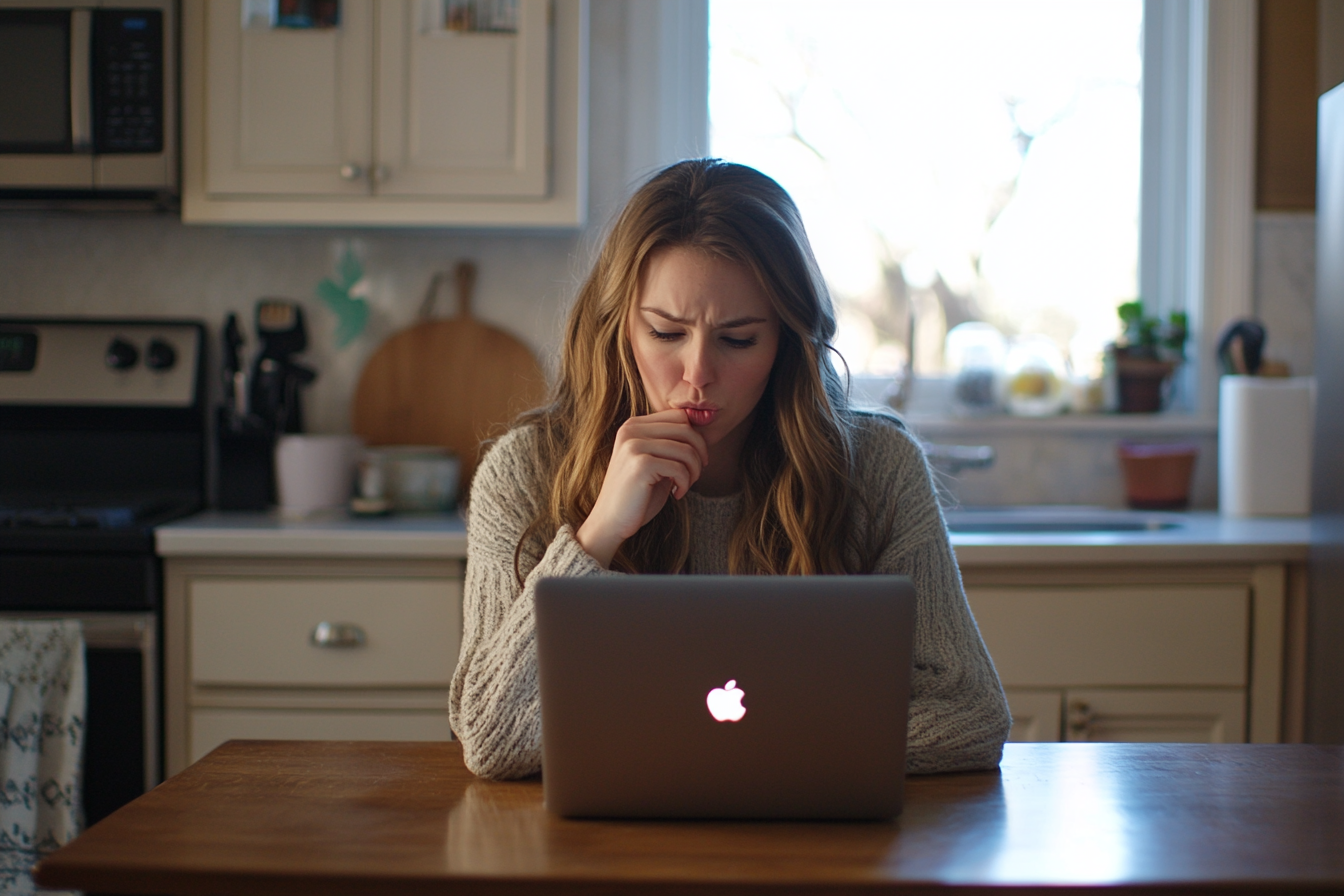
<point>1241,346</point>
<point>314,472</point>
<point>235,395</point>
<point>276,377</point>
<point>446,382</point>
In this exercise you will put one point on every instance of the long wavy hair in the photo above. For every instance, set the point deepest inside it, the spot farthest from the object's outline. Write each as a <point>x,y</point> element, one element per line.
<point>798,460</point>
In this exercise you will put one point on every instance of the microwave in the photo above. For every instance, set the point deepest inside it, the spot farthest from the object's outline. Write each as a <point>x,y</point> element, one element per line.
<point>88,99</point>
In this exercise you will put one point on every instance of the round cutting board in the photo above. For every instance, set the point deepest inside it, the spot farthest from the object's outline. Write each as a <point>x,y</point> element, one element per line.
<point>452,382</point>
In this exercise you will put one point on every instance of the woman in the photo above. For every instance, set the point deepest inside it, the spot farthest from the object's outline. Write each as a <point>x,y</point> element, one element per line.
<point>700,427</point>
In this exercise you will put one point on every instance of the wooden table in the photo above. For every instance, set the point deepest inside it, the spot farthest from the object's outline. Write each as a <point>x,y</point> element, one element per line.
<point>262,817</point>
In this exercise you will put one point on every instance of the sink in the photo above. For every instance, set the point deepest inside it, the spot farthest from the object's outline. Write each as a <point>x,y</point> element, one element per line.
<point>1056,520</point>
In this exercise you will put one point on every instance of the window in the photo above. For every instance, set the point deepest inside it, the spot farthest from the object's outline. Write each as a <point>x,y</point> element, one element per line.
<point>954,160</point>
<point>1196,203</point>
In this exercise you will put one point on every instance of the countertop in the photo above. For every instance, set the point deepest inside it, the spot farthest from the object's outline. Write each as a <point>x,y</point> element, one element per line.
<point>333,534</point>
<point>1201,537</point>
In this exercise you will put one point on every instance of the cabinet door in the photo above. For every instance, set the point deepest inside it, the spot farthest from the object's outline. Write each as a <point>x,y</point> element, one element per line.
<point>1141,715</point>
<point>461,113</point>
<point>1037,715</point>
<point>288,111</point>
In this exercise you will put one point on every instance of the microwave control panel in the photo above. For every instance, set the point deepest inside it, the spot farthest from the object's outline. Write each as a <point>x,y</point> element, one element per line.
<point>128,62</point>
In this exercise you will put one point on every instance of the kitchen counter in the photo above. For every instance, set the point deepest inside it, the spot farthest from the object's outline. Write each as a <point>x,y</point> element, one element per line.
<point>1199,538</point>
<point>334,534</point>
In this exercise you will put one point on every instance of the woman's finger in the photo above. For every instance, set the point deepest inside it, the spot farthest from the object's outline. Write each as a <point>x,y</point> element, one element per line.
<point>670,424</point>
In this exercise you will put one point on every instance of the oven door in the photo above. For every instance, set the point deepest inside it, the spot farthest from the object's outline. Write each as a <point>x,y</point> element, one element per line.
<point>121,721</point>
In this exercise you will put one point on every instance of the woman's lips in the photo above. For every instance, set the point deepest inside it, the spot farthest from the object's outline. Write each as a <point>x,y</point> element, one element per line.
<point>701,416</point>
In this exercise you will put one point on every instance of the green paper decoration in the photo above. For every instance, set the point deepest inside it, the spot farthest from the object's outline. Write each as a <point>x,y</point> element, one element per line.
<point>352,312</point>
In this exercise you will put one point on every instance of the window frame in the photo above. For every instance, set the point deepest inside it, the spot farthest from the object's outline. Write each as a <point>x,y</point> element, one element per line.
<point>1197,182</point>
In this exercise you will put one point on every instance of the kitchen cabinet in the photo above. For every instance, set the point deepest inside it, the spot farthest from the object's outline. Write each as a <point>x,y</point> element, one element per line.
<point>333,648</point>
<point>388,118</point>
<point>1147,653</point>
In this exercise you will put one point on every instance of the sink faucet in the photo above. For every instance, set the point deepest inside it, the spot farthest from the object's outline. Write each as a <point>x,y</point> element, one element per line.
<point>955,458</point>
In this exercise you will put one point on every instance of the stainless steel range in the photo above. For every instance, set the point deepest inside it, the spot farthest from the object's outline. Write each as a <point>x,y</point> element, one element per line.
<point>102,437</point>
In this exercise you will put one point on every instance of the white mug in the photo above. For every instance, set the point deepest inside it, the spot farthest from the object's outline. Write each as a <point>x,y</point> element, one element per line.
<point>314,472</point>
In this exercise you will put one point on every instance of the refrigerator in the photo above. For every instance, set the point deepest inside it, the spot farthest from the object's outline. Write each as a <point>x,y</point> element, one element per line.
<point>1325,640</point>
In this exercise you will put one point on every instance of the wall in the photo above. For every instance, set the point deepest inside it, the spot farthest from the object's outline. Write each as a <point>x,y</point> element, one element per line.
<point>154,265</point>
<point>146,264</point>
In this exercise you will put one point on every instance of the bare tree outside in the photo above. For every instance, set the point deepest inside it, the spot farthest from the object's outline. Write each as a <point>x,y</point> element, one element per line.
<point>954,160</point>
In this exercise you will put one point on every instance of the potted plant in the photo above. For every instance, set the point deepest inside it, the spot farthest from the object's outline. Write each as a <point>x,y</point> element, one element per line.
<point>1145,356</point>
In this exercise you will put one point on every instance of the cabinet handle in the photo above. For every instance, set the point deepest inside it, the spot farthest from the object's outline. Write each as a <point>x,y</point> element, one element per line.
<point>337,634</point>
<point>351,171</point>
<point>381,174</point>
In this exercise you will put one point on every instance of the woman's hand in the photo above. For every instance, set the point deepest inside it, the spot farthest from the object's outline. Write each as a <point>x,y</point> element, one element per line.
<point>654,456</point>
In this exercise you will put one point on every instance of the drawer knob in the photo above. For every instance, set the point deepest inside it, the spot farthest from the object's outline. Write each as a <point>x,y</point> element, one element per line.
<point>337,634</point>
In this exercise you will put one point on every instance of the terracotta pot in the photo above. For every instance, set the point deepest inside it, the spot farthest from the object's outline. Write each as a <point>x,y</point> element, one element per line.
<point>1157,477</point>
<point>1140,381</point>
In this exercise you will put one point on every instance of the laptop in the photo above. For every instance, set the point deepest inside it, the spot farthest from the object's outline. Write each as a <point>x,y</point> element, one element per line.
<point>781,697</point>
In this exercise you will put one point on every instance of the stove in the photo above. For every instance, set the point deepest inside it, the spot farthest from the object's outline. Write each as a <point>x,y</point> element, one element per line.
<point>102,437</point>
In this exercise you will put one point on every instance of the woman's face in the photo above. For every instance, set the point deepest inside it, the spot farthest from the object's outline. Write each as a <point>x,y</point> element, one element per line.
<point>704,335</point>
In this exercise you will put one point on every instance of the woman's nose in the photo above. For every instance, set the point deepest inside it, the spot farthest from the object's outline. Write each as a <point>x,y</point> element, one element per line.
<point>697,365</point>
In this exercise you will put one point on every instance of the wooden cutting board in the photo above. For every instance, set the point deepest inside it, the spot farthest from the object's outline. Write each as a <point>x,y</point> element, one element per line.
<point>446,381</point>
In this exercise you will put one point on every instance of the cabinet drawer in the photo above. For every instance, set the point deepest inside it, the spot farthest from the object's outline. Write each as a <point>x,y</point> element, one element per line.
<point>258,631</point>
<point>212,727</point>
<point>1149,635</point>
<point>1037,715</point>
<point>1156,716</point>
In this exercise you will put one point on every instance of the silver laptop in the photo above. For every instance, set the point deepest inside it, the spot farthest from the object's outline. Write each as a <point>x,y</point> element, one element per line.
<point>724,696</point>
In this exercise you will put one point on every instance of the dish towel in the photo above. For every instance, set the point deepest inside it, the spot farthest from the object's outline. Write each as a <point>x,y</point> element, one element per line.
<point>41,741</point>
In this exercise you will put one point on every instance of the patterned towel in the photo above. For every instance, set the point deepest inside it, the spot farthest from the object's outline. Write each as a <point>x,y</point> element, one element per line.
<point>41,740</point>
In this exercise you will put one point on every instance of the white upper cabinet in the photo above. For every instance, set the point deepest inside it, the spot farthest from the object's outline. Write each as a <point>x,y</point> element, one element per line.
<point>287,110</point>
<point>390,117</point>
<point>460,113</point>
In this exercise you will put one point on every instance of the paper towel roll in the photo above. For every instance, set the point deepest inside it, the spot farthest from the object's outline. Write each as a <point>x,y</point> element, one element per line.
<point>1264,445</point>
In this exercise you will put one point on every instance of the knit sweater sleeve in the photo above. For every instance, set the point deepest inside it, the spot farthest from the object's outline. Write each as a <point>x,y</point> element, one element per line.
<point>494,705</point>
<point>958,714</point>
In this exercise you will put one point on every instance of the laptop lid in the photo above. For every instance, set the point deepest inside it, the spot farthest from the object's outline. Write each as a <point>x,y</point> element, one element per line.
<point>809,677</point>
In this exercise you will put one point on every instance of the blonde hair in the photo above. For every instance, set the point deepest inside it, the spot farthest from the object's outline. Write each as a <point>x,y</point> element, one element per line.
<point>798,460</point>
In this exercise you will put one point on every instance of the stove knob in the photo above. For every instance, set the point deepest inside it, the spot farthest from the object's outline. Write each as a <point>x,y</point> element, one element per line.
<point>159,355</point>
<point>121,355</point>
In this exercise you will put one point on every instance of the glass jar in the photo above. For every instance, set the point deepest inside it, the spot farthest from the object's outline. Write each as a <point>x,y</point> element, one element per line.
<point>1036,377</point>
<point>974,354</point>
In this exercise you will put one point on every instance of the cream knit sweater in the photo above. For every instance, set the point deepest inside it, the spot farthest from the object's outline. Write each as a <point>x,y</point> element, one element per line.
<point>958,716</point>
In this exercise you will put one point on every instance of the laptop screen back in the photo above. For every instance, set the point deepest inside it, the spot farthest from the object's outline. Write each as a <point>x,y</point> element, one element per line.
<point>808,676</point>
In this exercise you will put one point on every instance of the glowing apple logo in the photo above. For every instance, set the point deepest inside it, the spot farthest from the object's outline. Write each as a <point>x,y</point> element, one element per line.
<point>725,703</point>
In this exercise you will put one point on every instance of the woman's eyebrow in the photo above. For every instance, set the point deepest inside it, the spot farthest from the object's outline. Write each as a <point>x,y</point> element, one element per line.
<point>726,325</point>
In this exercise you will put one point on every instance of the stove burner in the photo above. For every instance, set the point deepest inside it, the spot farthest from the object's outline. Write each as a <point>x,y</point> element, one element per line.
<point>67,517</point>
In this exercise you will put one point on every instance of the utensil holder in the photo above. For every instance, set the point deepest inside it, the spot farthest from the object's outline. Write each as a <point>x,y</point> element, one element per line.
<point>246,468</point>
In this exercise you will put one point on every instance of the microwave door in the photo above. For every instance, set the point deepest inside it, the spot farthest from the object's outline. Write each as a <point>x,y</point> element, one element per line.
<point>45,107</point>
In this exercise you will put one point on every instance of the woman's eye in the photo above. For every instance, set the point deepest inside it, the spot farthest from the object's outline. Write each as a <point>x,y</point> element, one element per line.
<point>663,337</point>
<point>739,343</point>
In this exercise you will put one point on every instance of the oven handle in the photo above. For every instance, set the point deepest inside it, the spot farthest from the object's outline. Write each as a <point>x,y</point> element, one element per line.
<point>81,84</point>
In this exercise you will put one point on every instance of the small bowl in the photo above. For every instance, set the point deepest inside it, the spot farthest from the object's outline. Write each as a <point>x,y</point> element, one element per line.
<point>1157,476</point>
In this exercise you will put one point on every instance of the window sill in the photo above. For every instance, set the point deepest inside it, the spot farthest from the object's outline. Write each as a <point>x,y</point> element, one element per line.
<point>1170,423</point>
<point>930,416</point>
